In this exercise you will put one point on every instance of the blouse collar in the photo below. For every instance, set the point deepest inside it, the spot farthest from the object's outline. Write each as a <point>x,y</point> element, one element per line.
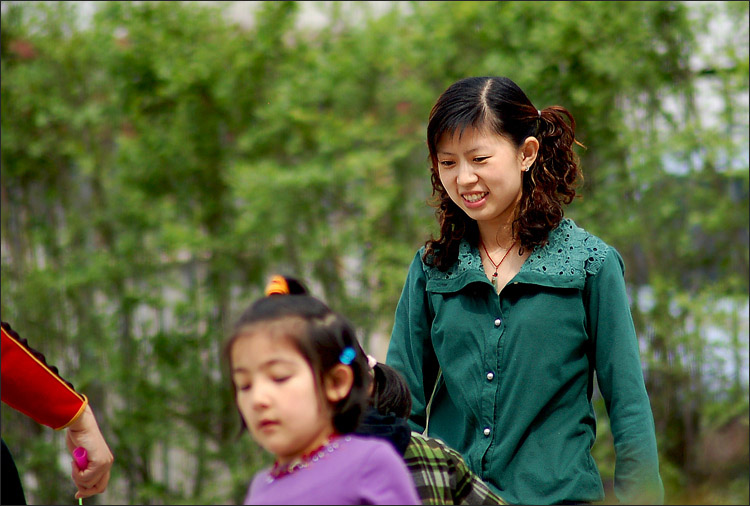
<point>569,255</point>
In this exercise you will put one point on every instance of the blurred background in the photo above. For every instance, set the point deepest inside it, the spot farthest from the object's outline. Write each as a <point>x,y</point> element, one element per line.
<point>160,160</point>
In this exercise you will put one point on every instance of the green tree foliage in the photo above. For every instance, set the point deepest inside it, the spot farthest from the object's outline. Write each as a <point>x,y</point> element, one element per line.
<point>160,161</point>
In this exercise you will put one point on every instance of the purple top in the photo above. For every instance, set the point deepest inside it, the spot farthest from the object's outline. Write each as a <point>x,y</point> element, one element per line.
<point>357,470</point>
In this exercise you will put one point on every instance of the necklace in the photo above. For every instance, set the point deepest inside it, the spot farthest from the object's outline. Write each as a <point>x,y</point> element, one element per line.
<point>304,461</point>
<point>496,266</point>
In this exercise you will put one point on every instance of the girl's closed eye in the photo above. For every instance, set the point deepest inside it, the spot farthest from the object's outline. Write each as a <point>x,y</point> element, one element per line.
<point>242,381</point>
<point>446,163</point>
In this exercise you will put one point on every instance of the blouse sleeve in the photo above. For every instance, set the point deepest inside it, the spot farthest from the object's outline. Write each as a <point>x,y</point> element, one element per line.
<point>386,479</point>
<point>34,388</point>
<point>620,379</point>
<point>410,349</point>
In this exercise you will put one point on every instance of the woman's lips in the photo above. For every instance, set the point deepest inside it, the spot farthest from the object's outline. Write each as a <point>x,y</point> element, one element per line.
<point>474,199</point>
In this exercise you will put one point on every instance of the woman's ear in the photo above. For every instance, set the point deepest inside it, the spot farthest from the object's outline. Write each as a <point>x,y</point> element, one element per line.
<point>338,382</point>
<point>529,149</point>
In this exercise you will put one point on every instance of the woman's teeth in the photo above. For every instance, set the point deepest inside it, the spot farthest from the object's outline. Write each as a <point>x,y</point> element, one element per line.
<point>474,197</point>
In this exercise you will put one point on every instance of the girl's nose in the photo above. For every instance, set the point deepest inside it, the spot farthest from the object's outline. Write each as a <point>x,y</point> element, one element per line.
<point>466,175</point>
<point>259,398</point>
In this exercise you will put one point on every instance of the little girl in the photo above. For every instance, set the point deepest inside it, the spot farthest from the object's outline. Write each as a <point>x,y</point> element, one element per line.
<point>301,383</point>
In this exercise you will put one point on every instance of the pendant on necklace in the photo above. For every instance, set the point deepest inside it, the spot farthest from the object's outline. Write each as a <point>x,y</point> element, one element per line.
<point>495,281</point>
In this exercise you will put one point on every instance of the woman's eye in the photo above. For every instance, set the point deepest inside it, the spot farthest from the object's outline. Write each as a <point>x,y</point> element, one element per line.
<point>244,387</point>
<point>446,163</point>
<point>281,379</point>
<point>480,159</point>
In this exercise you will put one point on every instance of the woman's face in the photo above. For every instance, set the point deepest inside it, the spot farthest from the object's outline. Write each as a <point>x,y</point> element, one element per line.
<point>277,396</point>
<point>482,173</point>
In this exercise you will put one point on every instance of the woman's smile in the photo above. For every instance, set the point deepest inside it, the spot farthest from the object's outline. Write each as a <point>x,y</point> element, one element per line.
<point>474,199</point>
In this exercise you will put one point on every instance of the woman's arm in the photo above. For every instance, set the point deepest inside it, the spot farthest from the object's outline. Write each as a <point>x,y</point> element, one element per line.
<point>620,379</point>
<point>410,349</point>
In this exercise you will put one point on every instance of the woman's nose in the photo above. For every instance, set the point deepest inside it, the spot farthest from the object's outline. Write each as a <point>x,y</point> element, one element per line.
<point>466,175</point>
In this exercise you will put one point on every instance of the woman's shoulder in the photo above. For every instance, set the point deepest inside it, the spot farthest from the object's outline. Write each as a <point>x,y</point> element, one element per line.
<point>468,260</point>
<point>569,228</point>
<point>570,247</point>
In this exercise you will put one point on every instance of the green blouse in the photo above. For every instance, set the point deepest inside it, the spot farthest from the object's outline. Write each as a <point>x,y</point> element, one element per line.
<point>517,370</point>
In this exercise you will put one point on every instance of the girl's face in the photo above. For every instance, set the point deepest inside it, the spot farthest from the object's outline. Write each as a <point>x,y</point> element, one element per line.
<point>277,396</point>
<point>482,173</point>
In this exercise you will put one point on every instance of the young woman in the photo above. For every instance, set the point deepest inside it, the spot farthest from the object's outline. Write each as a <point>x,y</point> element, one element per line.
<point>505,318</point>
<point>301,383</point>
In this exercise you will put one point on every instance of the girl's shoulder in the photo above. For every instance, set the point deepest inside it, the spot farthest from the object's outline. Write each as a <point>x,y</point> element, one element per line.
<point>372,452</point>
<point>365,442</point>
<point>351,459</point>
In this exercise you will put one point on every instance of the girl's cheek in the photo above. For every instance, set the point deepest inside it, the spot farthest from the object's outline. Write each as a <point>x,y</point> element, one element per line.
<point>248,419</point>
<point>243,403</point>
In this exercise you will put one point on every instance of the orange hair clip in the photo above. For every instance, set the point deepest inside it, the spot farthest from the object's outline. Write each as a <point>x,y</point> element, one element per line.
<point>277,286</point>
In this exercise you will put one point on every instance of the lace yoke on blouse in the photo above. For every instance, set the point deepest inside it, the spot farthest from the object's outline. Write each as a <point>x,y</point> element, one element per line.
<point>570,252</point>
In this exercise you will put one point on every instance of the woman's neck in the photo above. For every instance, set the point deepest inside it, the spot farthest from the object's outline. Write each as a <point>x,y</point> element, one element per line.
<point>496,235</point>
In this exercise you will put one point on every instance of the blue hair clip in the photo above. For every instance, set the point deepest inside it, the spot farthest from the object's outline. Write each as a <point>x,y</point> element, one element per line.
<point>347,356</point>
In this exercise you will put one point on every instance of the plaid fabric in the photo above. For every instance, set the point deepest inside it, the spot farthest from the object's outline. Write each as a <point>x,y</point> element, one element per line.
<point>442,476</point>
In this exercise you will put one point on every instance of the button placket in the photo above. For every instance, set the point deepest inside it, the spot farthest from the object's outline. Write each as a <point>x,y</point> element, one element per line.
<point>490,375</point>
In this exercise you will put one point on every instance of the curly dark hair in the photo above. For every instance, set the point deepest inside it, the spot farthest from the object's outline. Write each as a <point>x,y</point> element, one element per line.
<point>498,105</point>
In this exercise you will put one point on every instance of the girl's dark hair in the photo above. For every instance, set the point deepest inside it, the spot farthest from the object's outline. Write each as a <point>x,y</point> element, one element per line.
<point>498,105</point>
<point>391,392</point>
<point>320,335</point>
